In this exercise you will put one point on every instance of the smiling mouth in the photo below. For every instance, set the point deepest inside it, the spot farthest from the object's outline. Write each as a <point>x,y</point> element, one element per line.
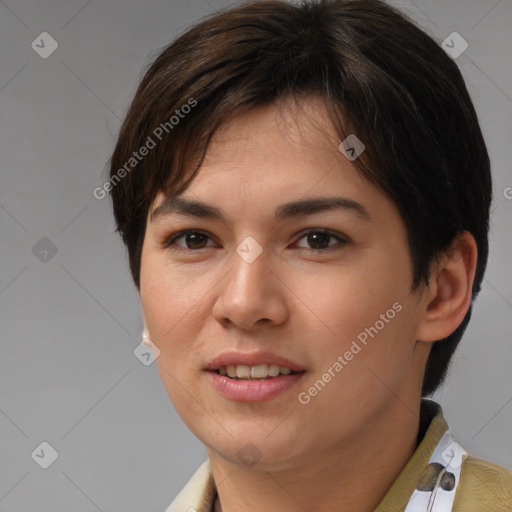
<point>257,372</point>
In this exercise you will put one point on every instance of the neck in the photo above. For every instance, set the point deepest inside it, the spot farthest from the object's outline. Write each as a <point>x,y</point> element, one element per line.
<point>354,475</point>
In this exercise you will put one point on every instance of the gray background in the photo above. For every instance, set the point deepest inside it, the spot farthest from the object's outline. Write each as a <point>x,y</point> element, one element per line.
<point>69,325</point>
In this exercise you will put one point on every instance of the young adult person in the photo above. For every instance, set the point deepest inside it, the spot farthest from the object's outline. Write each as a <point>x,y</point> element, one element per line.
<point>304,193</point>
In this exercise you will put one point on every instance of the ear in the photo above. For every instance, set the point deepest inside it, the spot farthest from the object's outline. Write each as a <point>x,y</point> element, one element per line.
<point>449,293</point>
<point>145,333</point>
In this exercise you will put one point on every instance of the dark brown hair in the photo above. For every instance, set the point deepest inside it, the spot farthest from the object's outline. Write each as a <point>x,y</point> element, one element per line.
<point>381,77</point>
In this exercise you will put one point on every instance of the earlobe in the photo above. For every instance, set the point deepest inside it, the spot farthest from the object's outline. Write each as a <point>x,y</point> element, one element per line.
<point>145,338</point>
<point>450,286</point>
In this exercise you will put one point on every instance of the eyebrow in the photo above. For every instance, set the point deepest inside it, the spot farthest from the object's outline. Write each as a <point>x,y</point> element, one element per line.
<point>180,205</point>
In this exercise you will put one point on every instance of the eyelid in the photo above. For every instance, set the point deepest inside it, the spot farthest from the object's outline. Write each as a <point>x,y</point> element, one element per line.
<point>342,239</point>
<point>167,241</point>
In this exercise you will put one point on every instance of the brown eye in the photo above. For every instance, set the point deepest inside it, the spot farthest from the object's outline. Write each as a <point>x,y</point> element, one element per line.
<point>320,240</point>
<point>192,239</point>
<point>195,240</point>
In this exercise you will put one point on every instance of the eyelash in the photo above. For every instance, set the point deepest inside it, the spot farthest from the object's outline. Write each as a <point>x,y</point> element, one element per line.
<point>167,241</point>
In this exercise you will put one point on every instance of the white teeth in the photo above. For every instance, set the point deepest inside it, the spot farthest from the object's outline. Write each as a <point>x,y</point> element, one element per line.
<point>273,370</point>
<point>243,371</point>
<point>260,371</point>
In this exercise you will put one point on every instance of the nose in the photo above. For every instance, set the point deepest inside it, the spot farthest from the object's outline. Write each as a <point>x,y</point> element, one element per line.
<point>251,294</point>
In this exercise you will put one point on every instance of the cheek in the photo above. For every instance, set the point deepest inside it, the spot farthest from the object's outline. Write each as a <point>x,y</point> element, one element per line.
<point>347,300</point>
<point>167,292</point>
<point>365,313</point>
<point>176,308</point>
<point>171,302</point>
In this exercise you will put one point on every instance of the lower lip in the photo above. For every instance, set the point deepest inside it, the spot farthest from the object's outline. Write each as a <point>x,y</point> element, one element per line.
<point>253,390</point>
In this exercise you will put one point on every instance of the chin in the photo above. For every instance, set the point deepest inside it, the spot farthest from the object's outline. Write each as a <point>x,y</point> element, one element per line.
<point>258,452</point>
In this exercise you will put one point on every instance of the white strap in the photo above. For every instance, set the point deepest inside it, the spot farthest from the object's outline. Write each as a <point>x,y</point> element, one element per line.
<point>438,483</point>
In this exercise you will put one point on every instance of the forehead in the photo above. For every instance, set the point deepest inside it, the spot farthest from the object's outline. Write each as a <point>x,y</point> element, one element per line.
<point>270,157</point>
<point>288,140</point>
<point>293,128</point>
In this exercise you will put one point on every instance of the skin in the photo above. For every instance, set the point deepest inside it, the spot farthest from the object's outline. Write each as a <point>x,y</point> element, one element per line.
<point>344,449</point>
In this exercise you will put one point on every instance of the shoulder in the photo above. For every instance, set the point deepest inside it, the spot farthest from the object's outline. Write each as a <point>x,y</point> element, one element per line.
<point>485,485</point>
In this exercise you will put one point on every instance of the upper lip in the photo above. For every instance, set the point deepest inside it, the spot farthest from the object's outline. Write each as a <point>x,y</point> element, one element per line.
<point>251,359</point>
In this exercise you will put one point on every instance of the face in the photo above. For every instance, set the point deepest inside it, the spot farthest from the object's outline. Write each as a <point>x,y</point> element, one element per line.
<point>261,272</point>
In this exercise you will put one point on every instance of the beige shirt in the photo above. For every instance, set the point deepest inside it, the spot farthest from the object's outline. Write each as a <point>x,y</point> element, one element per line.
<point>483,486</point>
